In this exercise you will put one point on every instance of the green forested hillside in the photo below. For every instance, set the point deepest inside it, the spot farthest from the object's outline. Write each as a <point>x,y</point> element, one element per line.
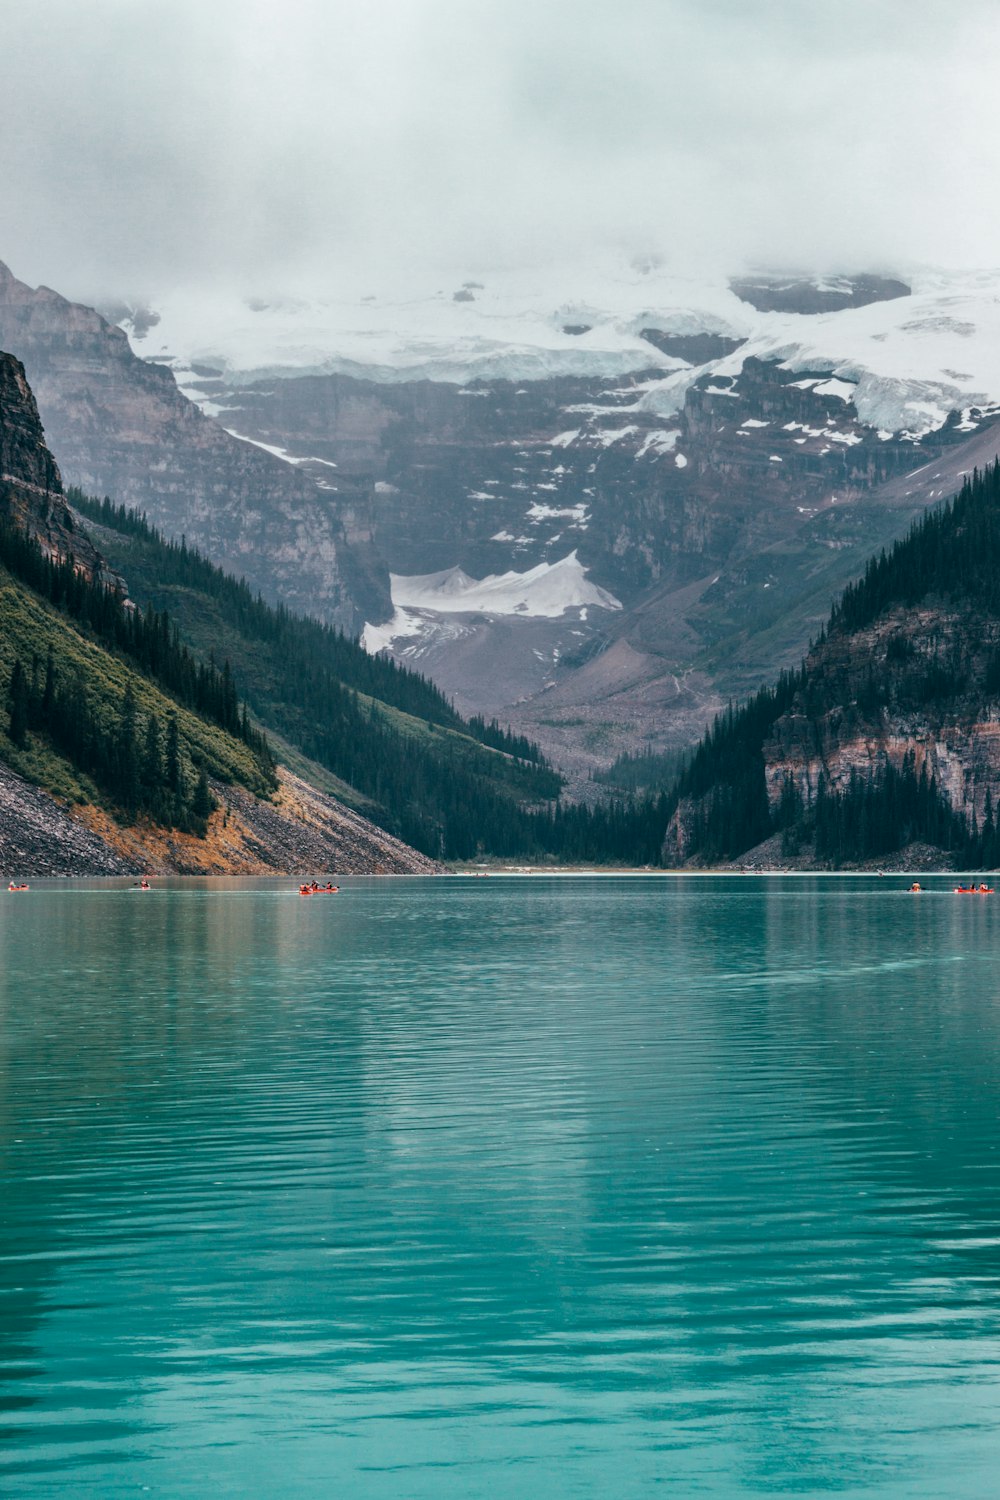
<point>449,788</point>
<point>949,567</point>
<point>86,723</point>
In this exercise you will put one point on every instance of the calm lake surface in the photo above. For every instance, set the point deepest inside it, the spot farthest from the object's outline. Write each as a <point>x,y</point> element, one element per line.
<point>510,1187</point>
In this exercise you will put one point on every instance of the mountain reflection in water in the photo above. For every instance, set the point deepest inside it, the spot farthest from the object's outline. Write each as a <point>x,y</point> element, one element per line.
<point>456,1188</point>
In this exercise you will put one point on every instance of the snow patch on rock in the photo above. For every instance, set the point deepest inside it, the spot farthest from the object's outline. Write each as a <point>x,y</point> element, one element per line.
<point>543,592</point>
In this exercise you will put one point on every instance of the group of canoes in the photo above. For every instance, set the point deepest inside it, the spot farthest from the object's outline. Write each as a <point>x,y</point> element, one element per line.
<point>962,890</point>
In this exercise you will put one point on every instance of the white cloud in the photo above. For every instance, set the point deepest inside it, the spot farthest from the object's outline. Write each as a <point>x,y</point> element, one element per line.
<point>272,147</point>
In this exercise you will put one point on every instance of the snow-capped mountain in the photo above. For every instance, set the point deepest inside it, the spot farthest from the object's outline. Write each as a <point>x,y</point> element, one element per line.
<point>715,457</point>
<point>912,358</point>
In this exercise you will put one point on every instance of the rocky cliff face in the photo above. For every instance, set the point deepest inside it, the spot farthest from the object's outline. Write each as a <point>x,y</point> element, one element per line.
<point>24,458</point>
<point>496,475</point>
<point>808,296</point>
<point>919,683</point>
<point>121,427</point>
<point>889,733</point>
<point>724,527</point>
<point>31,494</point>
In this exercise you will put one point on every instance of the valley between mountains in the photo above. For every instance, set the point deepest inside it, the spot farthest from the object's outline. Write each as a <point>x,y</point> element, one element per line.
<point>594,516</point>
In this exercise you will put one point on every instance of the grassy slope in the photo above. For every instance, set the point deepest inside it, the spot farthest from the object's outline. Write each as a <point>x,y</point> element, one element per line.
<point>28,627</point>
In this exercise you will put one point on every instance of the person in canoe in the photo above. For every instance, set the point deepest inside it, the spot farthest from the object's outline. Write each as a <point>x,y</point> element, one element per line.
<point>916,886</point>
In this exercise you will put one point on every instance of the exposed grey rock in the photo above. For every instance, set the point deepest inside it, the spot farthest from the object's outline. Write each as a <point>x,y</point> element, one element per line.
<point>809,295</point>
<point>307,832</point>
<point>725,526</point>
<point>31,496</point>
<point>38,836</point>
<point>120,426</point>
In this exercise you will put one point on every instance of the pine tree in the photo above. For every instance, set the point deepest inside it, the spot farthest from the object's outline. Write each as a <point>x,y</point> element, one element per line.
<point>151,772</point>
<point>19,700</point>
<point>173,766</point>
<point>127,758</point>
<point>203,804</point>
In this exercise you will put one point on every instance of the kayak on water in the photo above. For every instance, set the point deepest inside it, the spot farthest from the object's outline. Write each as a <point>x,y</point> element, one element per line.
<point>319,890</point>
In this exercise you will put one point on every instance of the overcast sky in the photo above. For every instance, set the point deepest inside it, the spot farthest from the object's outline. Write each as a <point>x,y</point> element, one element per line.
<point>154,143</point>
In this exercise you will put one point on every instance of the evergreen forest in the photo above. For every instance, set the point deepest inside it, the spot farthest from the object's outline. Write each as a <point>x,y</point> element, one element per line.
<point>948,564</point>
<point>394,746</point>
<point>396,749</point>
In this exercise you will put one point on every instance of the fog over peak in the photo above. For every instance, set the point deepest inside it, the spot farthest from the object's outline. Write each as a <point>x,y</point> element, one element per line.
<point>265,150</point>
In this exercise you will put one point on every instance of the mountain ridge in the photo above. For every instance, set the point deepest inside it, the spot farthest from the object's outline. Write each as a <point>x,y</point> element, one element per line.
<point>121,426</point>
<point>109,771</point>
<point>721,490</point>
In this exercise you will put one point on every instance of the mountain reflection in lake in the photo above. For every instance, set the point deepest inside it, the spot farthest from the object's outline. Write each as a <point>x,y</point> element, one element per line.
<point>511,1187</point>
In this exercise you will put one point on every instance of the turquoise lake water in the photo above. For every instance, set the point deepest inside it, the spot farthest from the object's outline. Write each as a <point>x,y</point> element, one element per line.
<point>512,1187</point>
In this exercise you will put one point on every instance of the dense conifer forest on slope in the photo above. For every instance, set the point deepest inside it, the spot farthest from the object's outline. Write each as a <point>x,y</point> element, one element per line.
<point>155,562</point>
<point>458,790</point>
<point>950,558</point>
<point>639,772</point>
<point>452,789</point>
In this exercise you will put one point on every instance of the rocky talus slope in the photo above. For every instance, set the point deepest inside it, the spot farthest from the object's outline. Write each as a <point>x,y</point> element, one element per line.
<point>302,832</point>
<point>39,836</point>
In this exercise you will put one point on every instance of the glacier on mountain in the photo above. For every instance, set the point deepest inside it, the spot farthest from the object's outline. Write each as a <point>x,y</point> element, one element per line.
<point>904,364</point>
<point>545,592</point>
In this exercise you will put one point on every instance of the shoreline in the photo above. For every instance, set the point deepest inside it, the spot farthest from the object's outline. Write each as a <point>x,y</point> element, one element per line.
<point>347,879</point>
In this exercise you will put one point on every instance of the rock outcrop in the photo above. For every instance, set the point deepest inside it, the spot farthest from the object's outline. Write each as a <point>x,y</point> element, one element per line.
<point>121,427</point>
<point>918,684</point>
<point>31,495</point>
<point>808,295</point>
